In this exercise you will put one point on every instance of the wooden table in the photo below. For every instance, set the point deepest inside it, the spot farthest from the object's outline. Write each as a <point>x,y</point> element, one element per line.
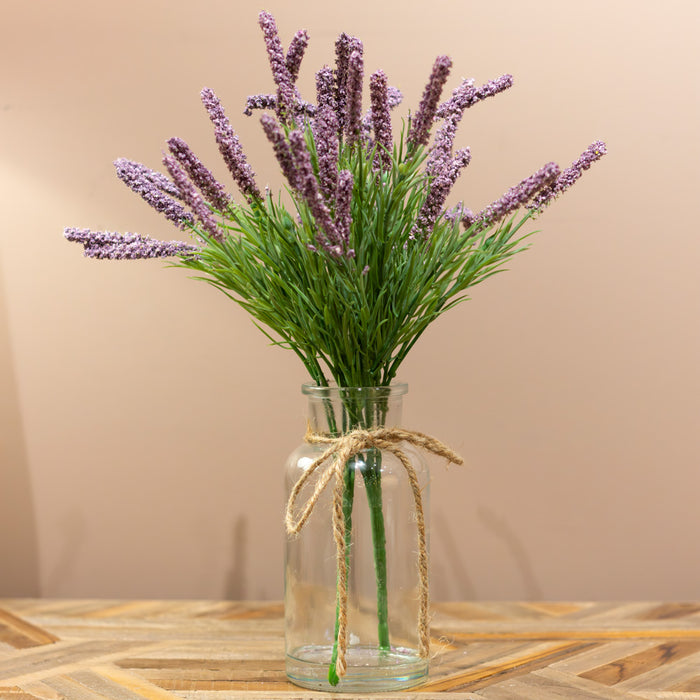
<point>210,650</point>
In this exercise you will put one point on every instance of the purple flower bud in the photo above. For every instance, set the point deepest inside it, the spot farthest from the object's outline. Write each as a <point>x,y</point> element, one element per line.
<point>345,45</point>
<point>440,183</point>
<point>281,148</point>
<point>230,147</point>
<point>297,47</point>
<point>325,96</point>
<point>353,107</point>
<point>327,234</point>
<point>325,132</point>
<point>381,118</point>
<point>212,190</point>
<point>270,102</point>
<point>191,197</point>
<point>278,64</point>
<point>569,176</point>
<point>515,197</point>
<point>343,216</point>
<point>155,188</point>
<point>466,95</point>
<point>422,121</point>
<point>127,246</point>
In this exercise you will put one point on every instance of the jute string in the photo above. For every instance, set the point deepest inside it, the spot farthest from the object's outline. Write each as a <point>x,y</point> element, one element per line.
<point>343,448</point>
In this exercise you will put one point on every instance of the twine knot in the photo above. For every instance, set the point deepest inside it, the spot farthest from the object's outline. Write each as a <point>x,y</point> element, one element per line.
<point>342,449</point>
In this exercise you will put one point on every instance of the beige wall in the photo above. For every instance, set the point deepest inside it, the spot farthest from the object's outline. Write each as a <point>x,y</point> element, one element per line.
<point>144,419</point>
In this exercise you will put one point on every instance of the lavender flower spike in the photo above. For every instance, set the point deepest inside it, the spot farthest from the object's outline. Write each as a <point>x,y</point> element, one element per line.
<point>325,96</point>
<point>230,147</point>
<point>278,64</point>
<point>515,197</point>
<point>343,216</point>
<point>325,132</point>
<point>353,106</point>
<point>569,176</point>
<point>127,246</point>
<point>155,189</point>
<point>327,234</point>
<point>381,118</point>
<point>192,197</point>
<point>466,95</point>
<point>295,53</point>
<point>420,124</point>
<point>265,101</point>
<point>281,148</point>
<point>212,190</point>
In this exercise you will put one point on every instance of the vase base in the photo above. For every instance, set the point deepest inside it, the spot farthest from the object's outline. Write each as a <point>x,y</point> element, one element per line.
<point>368,669</point>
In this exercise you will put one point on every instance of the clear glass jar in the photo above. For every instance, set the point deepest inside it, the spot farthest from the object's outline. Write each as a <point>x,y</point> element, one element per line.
<point>382,553</point>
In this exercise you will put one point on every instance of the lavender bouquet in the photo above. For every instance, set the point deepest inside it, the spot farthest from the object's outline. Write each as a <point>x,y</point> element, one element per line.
<point>353,261</point>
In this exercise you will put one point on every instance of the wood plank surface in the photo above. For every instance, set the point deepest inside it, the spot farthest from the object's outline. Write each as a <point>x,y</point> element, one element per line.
<point>216,650</point>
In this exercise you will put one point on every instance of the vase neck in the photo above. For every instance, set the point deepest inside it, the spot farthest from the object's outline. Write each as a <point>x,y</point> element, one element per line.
<point>337,410</point>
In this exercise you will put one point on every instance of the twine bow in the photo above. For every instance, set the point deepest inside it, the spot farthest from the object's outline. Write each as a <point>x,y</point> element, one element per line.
<point>343,448</point>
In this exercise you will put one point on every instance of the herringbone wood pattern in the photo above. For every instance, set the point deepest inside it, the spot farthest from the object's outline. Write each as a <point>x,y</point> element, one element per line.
<point>206,650</point>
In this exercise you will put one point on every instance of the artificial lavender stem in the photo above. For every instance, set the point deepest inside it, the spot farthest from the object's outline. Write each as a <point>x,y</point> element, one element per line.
<point>466,95</point>
<point>422,120</point>
<point>325,133</point>
<point>442,179</point>
<point>327,234</point>
<point>325,94</point>
<point>155,188</point>
<point>191,197</point>
<point>295,53</point>
<point>353,106</point>
<point>125,246</point>
<point>230,147</point>
<point>381,118</point>
<point>265,101</point>
<point>343,46</point>
<point>201,176</point>
<point>281,148</point>
<point>569,176</point>
<point>278,64</point>
<point>515,197</point>
<point>343,216</point>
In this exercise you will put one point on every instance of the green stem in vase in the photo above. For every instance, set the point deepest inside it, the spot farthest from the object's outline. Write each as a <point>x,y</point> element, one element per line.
<point>373,485</point>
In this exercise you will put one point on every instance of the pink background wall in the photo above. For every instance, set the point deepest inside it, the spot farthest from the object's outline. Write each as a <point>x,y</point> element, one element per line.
<point>144,419</point>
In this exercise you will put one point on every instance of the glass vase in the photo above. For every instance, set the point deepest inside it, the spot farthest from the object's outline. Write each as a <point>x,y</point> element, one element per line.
<point>385,613</point>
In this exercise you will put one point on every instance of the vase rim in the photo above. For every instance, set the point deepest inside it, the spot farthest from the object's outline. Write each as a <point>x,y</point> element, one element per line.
<point>394,389</point>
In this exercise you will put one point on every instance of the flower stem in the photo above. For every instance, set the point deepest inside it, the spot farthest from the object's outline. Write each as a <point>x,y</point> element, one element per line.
<point>373,485</point>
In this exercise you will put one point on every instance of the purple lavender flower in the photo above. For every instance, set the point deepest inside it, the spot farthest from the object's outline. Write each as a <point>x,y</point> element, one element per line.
<point>325,96</point>
<point>127,246</point>
<point>325,133</point>
<point>514,198</point>
<point>209,186</point>
<point>281,148</point>
<point>440,183</point>
<point>327,234</point>
<point>466,95</point>
<point>295,53</point>
<point>155,188</point>
<point>278,64</point>
<point>394,98</point>
<point>569,176</point>
<point>353,107</point>
<point>345,45</point>
<point>381,118</point>
<point>343,216</point>
<point>191,197</point>
<point>230,147</point>
<point>270,102</point>
<point>419,132</point>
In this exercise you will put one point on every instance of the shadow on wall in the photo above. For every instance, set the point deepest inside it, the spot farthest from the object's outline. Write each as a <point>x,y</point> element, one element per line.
<point>19,555</point>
